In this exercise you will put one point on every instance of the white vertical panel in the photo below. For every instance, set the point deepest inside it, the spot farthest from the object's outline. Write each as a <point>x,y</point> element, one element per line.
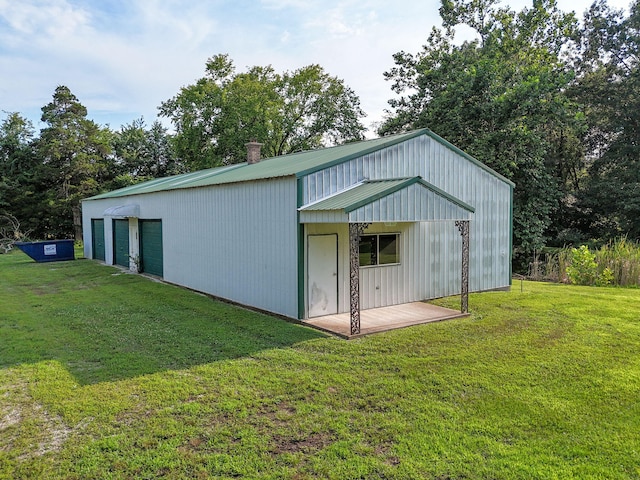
<point>236,241</point>
<point>434,247</point>
<point>134,244</point>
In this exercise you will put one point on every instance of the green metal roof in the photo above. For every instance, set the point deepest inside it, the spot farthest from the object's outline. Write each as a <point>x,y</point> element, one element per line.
<point>295,164</point>
<point>372,190</point>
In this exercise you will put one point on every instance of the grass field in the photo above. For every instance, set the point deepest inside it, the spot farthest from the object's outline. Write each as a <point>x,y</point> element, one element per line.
<point>109,375</point>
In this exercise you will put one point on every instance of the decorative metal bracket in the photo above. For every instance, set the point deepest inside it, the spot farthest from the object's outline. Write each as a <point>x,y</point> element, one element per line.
<point>355,231</point>
<point>463,227</point>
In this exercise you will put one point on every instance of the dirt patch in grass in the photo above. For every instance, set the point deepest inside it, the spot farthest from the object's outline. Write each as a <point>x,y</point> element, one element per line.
<point>288,436</point>
<point>310,444</point>
<point>9,419</point>
<point>26,422</point>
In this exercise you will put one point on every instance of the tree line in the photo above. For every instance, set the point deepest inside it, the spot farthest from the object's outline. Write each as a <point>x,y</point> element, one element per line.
<point>548,100</point>
<point>44,177</point>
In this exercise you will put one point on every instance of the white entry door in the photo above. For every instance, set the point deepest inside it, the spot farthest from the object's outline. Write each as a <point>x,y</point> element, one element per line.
<point>322,261</point>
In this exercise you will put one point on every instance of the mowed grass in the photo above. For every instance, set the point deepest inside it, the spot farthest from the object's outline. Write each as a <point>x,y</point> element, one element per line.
<point>109,375</point>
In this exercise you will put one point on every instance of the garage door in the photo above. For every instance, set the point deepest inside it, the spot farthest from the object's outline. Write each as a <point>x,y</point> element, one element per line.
<point>97,238</point>
<point>151,246</point>
<point>121,242</point>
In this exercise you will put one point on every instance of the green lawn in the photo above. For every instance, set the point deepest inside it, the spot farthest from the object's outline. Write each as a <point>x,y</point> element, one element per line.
<point>109,375</point>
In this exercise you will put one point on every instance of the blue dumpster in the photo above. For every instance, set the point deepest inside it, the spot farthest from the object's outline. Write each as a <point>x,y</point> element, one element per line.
<point>51,251</point>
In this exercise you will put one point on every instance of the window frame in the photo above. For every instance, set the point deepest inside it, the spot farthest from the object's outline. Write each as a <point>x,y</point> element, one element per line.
<point>377,253</point>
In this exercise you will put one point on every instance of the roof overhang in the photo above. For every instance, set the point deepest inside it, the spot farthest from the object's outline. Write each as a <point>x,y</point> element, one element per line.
<point>123,211</point>
<point>397,200</point>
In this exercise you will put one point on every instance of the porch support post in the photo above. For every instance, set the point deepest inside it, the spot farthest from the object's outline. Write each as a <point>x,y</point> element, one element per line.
<point>355,230</point>
<point>463,226</point>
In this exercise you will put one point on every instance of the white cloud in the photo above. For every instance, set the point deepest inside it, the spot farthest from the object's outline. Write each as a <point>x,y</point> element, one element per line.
<point>122,59</point>
<point>55,18</point>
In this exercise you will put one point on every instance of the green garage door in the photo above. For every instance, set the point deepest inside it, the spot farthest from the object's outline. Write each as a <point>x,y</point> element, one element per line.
<point>121,242</point>
<point>151,246</point>
<point>97,238</point>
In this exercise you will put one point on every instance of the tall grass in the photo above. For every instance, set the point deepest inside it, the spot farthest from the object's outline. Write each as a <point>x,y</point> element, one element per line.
<point>621,256</point>
<point>550,266</point>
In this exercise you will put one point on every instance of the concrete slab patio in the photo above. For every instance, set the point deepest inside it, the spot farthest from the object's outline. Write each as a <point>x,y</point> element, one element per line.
<point>385,318</point>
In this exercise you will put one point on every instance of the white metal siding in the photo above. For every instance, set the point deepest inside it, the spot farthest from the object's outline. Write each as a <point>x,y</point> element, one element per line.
<point>436,244</point>
<point>430,264</point>
<point>323,216</point>
<point>236,241</point>
<point>414,203</point>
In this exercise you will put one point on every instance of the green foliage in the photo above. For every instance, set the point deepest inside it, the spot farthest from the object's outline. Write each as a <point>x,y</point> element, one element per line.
<point>608,87</point>
<point>107,375</point>
<point>622,258</point>
<point>19,193</point>
<point>289,112</point>
<point>614,263</point>
<point>75,154</point>
<point>583,269</point>
<point>43,178</point>
<point>143,154</point>
<point>500,98</point>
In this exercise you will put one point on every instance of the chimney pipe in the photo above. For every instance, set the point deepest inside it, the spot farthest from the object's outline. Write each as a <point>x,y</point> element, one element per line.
<point>253,151</point>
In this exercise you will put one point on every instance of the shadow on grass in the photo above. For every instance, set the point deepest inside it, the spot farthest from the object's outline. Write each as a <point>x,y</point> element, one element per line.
<point>106,325</point>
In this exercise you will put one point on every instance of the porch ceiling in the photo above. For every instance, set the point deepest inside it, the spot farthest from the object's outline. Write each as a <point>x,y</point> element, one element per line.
<point>396,200</point>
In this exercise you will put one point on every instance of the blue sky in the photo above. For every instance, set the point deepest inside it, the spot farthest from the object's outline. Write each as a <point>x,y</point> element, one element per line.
<point>123,58</point>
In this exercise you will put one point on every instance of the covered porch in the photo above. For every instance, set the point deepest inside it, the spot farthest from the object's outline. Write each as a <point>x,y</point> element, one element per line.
<point>381,202</point>
<point>376,320</point>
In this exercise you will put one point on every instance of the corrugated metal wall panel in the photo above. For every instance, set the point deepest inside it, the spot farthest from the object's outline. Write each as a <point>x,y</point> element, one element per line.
<point>236,241</point>
<point>323,216</point>
<point>430,264</point>
<point>413,202</point>
<point>437,244</point>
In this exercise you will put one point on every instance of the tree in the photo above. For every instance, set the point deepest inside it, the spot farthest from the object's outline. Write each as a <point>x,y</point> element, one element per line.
<point>76,156</point>
<point>609,87</point>
<point>501,98</point>
<point>19,197</point>
<point>142,154</point>
<point>289,112</point>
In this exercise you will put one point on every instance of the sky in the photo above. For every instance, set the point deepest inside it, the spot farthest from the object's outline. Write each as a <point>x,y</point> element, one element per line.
<point>123,58</point>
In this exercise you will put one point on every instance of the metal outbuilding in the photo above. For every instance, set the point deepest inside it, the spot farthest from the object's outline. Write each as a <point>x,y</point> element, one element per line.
<point>370,224</point>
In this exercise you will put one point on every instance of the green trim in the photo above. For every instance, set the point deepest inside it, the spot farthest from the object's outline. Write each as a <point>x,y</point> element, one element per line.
<point>379,195</point>
<point>296,165</point>
<point>511,235</point>
<point>300,233</point>
<point>395,140</point>
<point>447,196</point>
<point>473,160</point>
<point>406,184</point>
<point>368,192</point>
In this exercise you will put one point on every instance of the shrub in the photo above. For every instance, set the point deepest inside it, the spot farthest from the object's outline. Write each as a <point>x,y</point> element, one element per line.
<point>616,263</point>
<point>583,269</point>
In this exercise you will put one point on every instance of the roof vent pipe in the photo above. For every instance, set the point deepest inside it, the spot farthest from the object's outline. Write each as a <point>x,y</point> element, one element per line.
<point>253,151</point>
